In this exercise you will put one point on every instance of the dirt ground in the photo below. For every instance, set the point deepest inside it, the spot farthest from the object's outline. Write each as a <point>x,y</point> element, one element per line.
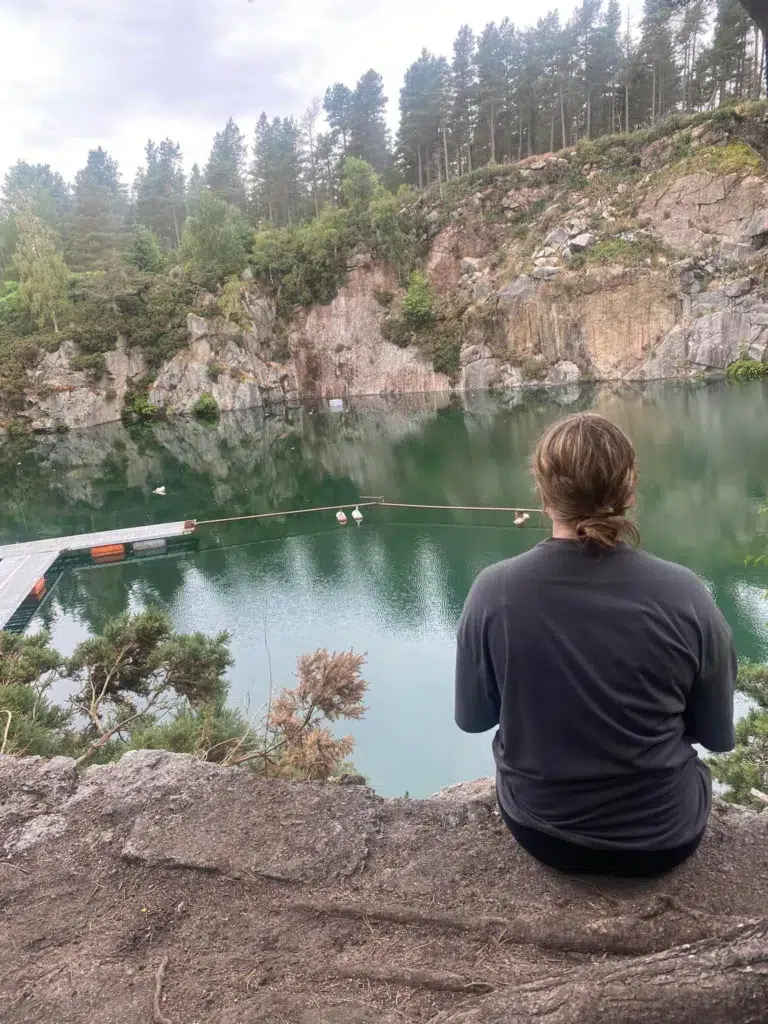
<point>171,891</point>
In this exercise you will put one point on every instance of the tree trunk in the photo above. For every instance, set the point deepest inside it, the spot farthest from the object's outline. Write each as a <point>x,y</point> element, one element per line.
<point>421,173</point>
<point>653,96</point>
<point>715,981</point>
<point>469,156</point>
<point>520,138</point>
<point>55,321</point>
<point>562,114</point>
<point>493,135</point>
<point>445,151</point>
<point>552,133</point>
<point>589,113</point>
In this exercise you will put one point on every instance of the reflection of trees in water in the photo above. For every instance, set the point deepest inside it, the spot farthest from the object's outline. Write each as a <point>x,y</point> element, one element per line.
<point>700,451</point>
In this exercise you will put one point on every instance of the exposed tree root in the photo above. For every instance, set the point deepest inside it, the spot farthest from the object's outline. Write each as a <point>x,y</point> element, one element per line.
<point>716,981</point>
<point>437,981</point>
<point>157,1014</point>
<point>649,930</point>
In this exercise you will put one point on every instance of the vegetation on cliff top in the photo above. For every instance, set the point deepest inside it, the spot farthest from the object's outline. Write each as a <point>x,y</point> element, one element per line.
<point>140,685</point>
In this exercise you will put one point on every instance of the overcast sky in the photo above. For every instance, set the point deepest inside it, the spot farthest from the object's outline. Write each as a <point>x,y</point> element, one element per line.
<point>79,73</point>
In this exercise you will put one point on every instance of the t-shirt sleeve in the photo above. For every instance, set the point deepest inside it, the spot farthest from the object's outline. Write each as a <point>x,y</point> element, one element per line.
<point>477,694</point>
<point>709,712</point>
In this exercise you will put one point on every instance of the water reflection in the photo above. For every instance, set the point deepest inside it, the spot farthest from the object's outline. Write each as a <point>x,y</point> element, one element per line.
<point>394,587</point>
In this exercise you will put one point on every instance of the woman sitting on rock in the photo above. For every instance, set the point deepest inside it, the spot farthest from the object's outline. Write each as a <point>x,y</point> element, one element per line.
<point>601,666</point>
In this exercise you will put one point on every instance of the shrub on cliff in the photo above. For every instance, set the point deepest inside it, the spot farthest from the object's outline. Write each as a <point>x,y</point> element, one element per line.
<point>206,407</point>
<point>418,303</point>
<point>746,369</point>
<point>138,684</point>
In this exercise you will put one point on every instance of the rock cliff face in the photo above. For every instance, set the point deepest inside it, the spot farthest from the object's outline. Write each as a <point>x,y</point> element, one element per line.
<point>229,899</point>
<point>557,270</point>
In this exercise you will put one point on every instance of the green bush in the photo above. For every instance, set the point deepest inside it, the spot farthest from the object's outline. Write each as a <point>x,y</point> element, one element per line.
<point>215,370</point>
<point>216,241</point>
<point>137,407</point>
<point>419,303</point>
<point>145,253</point>
<point>206,407</point>
<point>93,365</point>
<point>395,330</point>
<point>746,369</point>
<point>618,251</point>
<point>383,297</point>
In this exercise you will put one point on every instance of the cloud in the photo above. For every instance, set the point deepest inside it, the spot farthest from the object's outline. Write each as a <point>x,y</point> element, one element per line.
<point>98,72</point>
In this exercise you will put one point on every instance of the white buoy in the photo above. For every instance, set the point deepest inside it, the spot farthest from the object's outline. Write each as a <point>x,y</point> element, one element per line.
<point>341,518</point>
<point>160,491</point>
<point>357,515</point>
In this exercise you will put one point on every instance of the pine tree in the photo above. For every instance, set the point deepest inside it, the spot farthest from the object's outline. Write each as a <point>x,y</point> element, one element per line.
<point>226,164</point>
<point>368,133</point>
<point>276,171</point>
<point>195,189</point>
<point>464,73</point>
<point>490,82</point>
<point>43,275</point>
<point>338,111</point>
<point>159,200</point>
<point>420,103</point>
<point>99,211</point>
<point>309,142</point>
<point>730,53</point>
<point>33,187</point>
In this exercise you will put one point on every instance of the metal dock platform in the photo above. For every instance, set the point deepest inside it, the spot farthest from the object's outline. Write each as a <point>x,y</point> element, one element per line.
<point>23,567</point>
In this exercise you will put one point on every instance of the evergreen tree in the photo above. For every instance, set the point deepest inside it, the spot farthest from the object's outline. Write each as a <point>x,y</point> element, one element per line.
<point>368,133</point>
<point>159,200</point>
<point>338,111</point>
<point>43,275</point>
<point>276,171</point>
<point>226,165</point>
<point>656,75</point>
<point>195,189</point>
<point>309,142</point>
<point>216,241</point>
<point>420,103</point>
<point>731,57</point>
<point>464,73</point>
<point>491,65</point>
<point>99,211</point>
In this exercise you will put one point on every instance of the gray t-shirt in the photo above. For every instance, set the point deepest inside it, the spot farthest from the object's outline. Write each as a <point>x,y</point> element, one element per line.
<point>600,668</point>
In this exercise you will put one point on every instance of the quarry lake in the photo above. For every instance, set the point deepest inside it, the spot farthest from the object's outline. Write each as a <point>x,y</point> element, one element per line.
<point>394,587</point>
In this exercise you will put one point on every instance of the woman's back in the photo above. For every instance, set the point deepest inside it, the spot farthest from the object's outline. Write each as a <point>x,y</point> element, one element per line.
<point>604,666</point>
<point>601,666</point>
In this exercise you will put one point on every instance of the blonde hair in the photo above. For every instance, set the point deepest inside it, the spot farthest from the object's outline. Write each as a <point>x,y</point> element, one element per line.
<point>584,468</point>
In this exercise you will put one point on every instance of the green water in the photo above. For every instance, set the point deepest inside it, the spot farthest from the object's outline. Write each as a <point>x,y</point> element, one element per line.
<point>395,586</point>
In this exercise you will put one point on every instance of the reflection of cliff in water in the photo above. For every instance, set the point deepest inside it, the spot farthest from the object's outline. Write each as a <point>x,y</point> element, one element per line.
<point>701,454</point>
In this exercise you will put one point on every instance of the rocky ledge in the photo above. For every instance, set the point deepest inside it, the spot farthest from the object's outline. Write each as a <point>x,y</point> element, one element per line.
<point>166,889</point>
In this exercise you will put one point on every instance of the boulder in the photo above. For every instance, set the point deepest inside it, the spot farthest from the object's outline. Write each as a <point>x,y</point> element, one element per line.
<point>546,261</point>
<point>519,288</point>
<point>563,373</point>
<point>577,227</point>
<point>742,286</point>
<point>583,241</point>
<point>557,237</point>
<point>756,226</point>
<point>545,273</point>
<point>539,165</point>
<point>469,265</point>
<point>510,376</point>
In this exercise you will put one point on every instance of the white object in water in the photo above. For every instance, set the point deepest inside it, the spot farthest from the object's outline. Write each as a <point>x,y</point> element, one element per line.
<point>521,518</point>
<point>336,404</point>
<point>160,491</point>
<point>357,515</point>
<point>341,518</point>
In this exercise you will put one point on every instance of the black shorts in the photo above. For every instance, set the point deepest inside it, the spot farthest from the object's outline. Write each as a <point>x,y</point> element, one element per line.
<point>574,859</point>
